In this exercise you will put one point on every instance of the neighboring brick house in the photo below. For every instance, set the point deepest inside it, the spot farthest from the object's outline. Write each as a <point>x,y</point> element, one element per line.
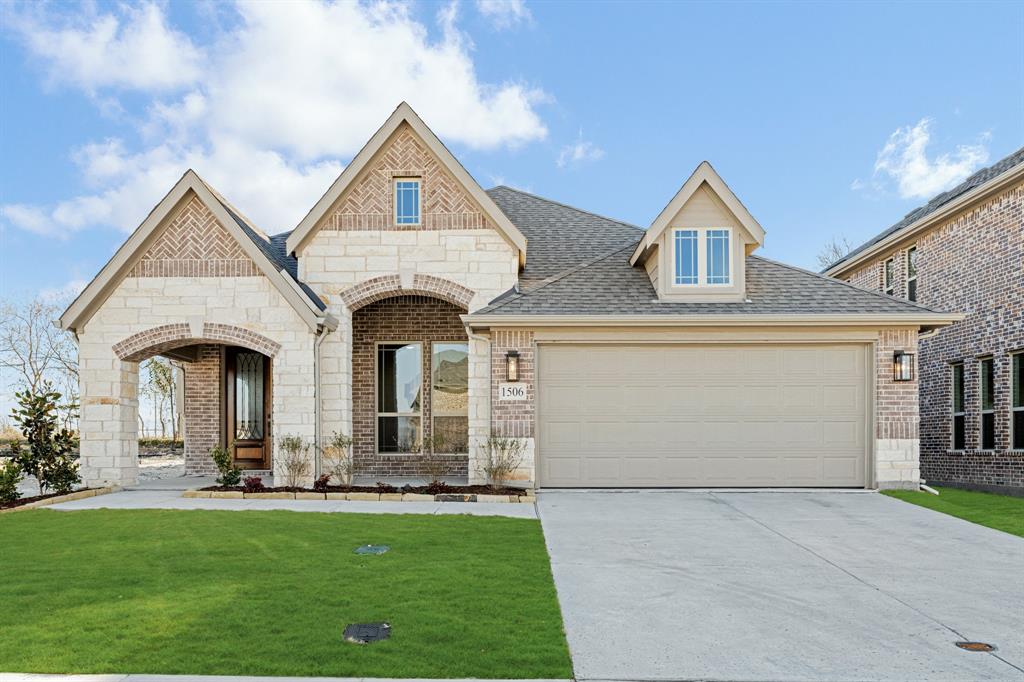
<point>412,310</point>
<point>963,252</point>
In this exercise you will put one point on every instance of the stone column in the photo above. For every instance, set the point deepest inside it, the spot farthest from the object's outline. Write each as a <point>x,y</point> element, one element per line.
<point>109,422</point>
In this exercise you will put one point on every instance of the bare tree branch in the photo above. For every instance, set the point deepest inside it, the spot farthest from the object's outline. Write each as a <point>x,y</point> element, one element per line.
<point>833,250</point>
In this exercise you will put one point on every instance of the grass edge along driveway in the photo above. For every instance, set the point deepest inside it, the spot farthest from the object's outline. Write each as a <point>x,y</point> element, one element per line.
<point>1002,512</point>
<point>269,593</point>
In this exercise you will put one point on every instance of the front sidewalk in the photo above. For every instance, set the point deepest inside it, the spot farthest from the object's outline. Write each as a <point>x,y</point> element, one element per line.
<point>166,498</point>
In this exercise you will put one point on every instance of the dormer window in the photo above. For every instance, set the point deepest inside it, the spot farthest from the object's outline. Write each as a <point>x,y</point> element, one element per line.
<point>697,264</point>
<point>407,201</point>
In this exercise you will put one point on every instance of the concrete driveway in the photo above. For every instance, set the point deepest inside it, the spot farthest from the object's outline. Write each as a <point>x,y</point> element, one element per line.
<point>674,585</point>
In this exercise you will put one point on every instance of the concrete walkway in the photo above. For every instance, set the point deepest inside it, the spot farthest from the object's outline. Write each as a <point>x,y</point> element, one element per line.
<point>27,677</point>
<point>677,585</point>
<point>172,499</point>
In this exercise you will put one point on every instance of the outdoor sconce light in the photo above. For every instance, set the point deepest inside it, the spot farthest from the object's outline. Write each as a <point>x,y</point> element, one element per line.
<point>902,366</point>
<point>512,365</point>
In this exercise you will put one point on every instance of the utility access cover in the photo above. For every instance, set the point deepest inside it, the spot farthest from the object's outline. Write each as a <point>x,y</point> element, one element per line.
<point>372,549</point>
<point>367,633</point>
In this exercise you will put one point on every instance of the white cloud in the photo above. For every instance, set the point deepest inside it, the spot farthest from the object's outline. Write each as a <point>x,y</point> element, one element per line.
<point>505,14</point>
<point>904,161</point>
<point>286,90</point>
<point>134,49</point>
<point>580,152</point>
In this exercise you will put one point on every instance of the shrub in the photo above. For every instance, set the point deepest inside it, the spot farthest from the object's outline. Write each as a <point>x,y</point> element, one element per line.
<point>46,451</point>
<point>10,477</point>
<point>383,487</point>
<point>294,460</point>
<point>321,483</point>
<point>500,458</point>
<point>337,459</point>
<point>432,464</point>
<point>253,484</point>
<point>230,475</point>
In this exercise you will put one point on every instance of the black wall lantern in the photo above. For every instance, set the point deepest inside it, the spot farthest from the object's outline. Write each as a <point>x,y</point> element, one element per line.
<point>512,365</point>
<point>902,366</point>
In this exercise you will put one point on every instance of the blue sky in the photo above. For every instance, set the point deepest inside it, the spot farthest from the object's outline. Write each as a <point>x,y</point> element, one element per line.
<point>825,119</point>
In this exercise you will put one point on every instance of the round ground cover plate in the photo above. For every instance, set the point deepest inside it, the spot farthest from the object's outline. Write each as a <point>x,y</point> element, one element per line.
<point>976,646</point>
<point>366,633</point>
<point>372,549</point>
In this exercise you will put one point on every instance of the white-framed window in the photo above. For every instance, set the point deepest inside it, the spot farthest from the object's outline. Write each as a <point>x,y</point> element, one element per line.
<point>889,276</point>
<point>399,397</point>
<point>912,273</point>
<point>449,397</point>
<point>988,404</point>
<point>407,201</point>
<point>1017,404</point>
<point>702,256</point>
<point>959,426</point>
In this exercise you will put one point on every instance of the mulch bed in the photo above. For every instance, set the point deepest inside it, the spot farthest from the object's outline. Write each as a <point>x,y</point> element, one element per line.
<point>21,501</point>
<point>435,489</point>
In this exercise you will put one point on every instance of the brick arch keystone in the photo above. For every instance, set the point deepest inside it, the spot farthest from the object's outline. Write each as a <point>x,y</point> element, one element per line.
<point>387,286</point>
<point>156,340</point>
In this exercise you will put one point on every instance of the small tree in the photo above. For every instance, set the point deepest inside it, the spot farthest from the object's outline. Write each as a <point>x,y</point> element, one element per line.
<point>834,250</point>
<point>10,477</point>
<point>337,459</point>
<point>500,458</point>
<point>294,460</point>
<point>230,475</point>
<point>46,449</point>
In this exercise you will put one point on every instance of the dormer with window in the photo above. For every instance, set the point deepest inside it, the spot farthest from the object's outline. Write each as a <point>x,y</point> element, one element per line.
<point>695,250</point>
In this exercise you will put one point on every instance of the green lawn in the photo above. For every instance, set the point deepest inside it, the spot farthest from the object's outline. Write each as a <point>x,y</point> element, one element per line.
<point>269,593</point>
<point>1001,512</point>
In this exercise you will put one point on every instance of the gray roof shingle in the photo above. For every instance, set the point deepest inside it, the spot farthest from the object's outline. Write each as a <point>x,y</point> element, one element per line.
<point>559,236</point>
<point>938,201</point>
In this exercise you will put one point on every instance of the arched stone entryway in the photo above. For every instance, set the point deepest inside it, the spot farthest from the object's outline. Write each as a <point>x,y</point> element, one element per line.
<point>228,373</point>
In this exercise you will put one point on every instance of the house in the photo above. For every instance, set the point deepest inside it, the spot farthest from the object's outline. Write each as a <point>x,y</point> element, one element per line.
<point>963,251</point>
<point>409,306</point>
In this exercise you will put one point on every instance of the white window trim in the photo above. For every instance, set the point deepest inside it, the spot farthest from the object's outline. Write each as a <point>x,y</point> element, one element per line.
<point>981,404</point>
<point>1018,357</point>
<point>394,200</point>
<point>911,250</point>
<point>889,286</point>
<point>702,259</point>
<point>952,405</point>
<point>377,414</point>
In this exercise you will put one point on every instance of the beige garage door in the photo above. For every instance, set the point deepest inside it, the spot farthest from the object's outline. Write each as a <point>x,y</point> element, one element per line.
<point>742,415</point>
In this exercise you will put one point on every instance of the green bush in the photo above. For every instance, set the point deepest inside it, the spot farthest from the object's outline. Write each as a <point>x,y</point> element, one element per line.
<point>10,477</point>
<point>46,451</point>
<point>230,475</point>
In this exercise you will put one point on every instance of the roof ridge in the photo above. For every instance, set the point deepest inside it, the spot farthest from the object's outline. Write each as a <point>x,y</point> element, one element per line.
<point>571,208</point>
<point>937,201</point>
<point>562,275</point>
<point>833,280</point>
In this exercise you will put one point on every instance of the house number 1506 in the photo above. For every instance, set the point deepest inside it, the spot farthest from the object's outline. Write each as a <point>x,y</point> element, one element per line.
<point>511,392</point>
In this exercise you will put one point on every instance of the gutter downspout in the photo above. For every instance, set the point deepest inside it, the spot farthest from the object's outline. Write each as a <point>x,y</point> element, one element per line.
<point>321,334</point>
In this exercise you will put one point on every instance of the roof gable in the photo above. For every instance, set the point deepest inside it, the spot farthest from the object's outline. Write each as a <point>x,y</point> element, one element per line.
<point>703,178</point>
<point>404,116</point>
<point>219,219</point>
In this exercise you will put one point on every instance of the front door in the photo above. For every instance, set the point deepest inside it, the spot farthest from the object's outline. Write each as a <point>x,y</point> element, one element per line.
<point>247,393</point>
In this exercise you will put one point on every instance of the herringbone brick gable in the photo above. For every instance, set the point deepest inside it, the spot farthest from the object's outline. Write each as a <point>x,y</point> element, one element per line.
<point>368,204</point>
<point>195,244</point>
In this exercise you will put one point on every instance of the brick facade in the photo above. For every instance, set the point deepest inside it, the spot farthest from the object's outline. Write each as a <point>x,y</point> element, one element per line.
<point>897,419</point>
<point>972,263</point>
<point>368,205</point>
<point>203,406</point>
<point>397,319</point>
<point>194,244</point>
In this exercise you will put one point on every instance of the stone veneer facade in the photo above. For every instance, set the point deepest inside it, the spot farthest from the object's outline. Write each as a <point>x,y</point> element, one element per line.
<point>971,263</point>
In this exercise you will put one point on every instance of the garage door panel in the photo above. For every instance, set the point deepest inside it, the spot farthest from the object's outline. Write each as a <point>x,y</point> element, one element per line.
<point>702,416</point>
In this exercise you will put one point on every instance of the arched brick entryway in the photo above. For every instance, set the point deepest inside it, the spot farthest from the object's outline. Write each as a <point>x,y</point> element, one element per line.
<point>387,286</point>
<point>157,340</point>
